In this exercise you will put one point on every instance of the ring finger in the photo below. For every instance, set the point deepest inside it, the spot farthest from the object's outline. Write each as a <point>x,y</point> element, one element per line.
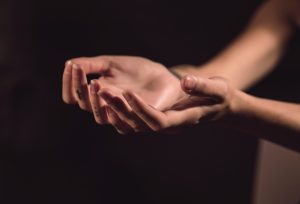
<point>97,103</point>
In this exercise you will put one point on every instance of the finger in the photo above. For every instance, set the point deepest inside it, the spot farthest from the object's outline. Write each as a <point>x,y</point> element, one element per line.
<point>67,92</point>
<point>203,92</point>
<point>124,112</point>
<point>161,121</point>
<point>214,88</point>
<point>93,65</point>
<point>155,119</point>
<point>185,117</point>
<point>80,87</point>
<point>194,101</point>
<point>97,104</point>
<point>120,125</point>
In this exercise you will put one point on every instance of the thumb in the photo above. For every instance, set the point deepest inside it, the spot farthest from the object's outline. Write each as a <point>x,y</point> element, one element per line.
<point>215,88</point>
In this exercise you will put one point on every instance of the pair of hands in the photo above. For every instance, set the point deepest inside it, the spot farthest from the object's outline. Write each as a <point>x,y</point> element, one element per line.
<point>135,94</point>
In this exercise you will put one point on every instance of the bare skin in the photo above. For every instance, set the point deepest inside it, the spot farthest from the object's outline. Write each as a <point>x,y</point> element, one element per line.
<point>216,94</point>
<point>151,80</point>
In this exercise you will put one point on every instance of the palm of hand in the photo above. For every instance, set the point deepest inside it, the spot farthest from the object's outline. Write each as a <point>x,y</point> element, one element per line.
<point>150,80</point>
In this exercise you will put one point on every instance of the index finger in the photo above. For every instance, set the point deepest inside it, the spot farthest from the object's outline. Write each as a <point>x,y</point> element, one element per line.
<point>155,119</point>
<point>158,120</point>
<point>67,90</point>
<point>92,65</point>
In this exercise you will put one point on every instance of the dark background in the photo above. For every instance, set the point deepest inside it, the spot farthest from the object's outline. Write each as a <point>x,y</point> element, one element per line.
<point>54,153</point>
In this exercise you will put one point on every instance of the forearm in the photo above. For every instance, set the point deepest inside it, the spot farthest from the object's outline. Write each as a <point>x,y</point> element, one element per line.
<point>273,120</point>
<point>255,52</point>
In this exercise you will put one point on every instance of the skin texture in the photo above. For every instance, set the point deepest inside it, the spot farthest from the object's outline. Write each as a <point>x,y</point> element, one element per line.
<point>211,91</point>
<point>151,80</point>
<point>253,54</point>
<point>207,99</point>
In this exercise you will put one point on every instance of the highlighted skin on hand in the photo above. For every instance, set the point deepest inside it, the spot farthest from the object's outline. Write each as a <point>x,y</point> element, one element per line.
<point>213,95</point>
<point>150,80</point>
<point>207,99</point>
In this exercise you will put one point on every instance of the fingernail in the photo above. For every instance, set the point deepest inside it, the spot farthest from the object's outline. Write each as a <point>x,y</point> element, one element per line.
<point>69,62</point>
<point>94,87</point>
<point>190,82</point>
<point>75,67</point>
<point>68,68</point>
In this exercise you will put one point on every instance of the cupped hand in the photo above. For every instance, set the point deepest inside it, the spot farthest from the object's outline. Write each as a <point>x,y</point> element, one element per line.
<point>206,99</point>
<point>155,85</point>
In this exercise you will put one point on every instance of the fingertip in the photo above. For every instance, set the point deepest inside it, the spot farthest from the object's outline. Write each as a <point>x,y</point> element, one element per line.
<point>68,67</point>
<point>94,87</point>
<point>121,132</point>
<point>189,82</point>
<point>66,100</point>
<point>68,63</point>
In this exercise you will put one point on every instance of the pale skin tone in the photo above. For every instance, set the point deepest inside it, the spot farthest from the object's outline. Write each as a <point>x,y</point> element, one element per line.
<point>133,100</point>
<point>152,81</point>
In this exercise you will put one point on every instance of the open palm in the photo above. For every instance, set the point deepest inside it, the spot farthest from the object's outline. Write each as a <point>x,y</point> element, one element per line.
<point>150,80</point>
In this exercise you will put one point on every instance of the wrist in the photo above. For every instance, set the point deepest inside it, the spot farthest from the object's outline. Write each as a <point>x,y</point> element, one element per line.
<point>237,102</point>
<point>182,70</point>
<point>175,74</point>
<point>240,108</point>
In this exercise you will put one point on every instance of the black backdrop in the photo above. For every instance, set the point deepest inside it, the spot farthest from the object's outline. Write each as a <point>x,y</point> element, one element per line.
<point>55,153</point>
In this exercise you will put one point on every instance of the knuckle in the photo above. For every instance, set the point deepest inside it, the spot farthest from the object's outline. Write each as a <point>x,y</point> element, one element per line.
<point>201,85</point>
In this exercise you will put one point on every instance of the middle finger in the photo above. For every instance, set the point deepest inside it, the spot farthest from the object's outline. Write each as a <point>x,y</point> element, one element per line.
<point>124,112</point>
<point>80,86</point>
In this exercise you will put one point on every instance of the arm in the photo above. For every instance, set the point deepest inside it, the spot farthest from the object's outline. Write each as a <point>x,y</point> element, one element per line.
<point>216,100</point>
<point>252,55</point>
<point>255,52</point>
<point>276,121</point>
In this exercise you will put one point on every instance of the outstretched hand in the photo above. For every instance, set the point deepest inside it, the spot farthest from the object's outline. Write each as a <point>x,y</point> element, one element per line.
<point>155,85</point>
<point>206,99</point>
